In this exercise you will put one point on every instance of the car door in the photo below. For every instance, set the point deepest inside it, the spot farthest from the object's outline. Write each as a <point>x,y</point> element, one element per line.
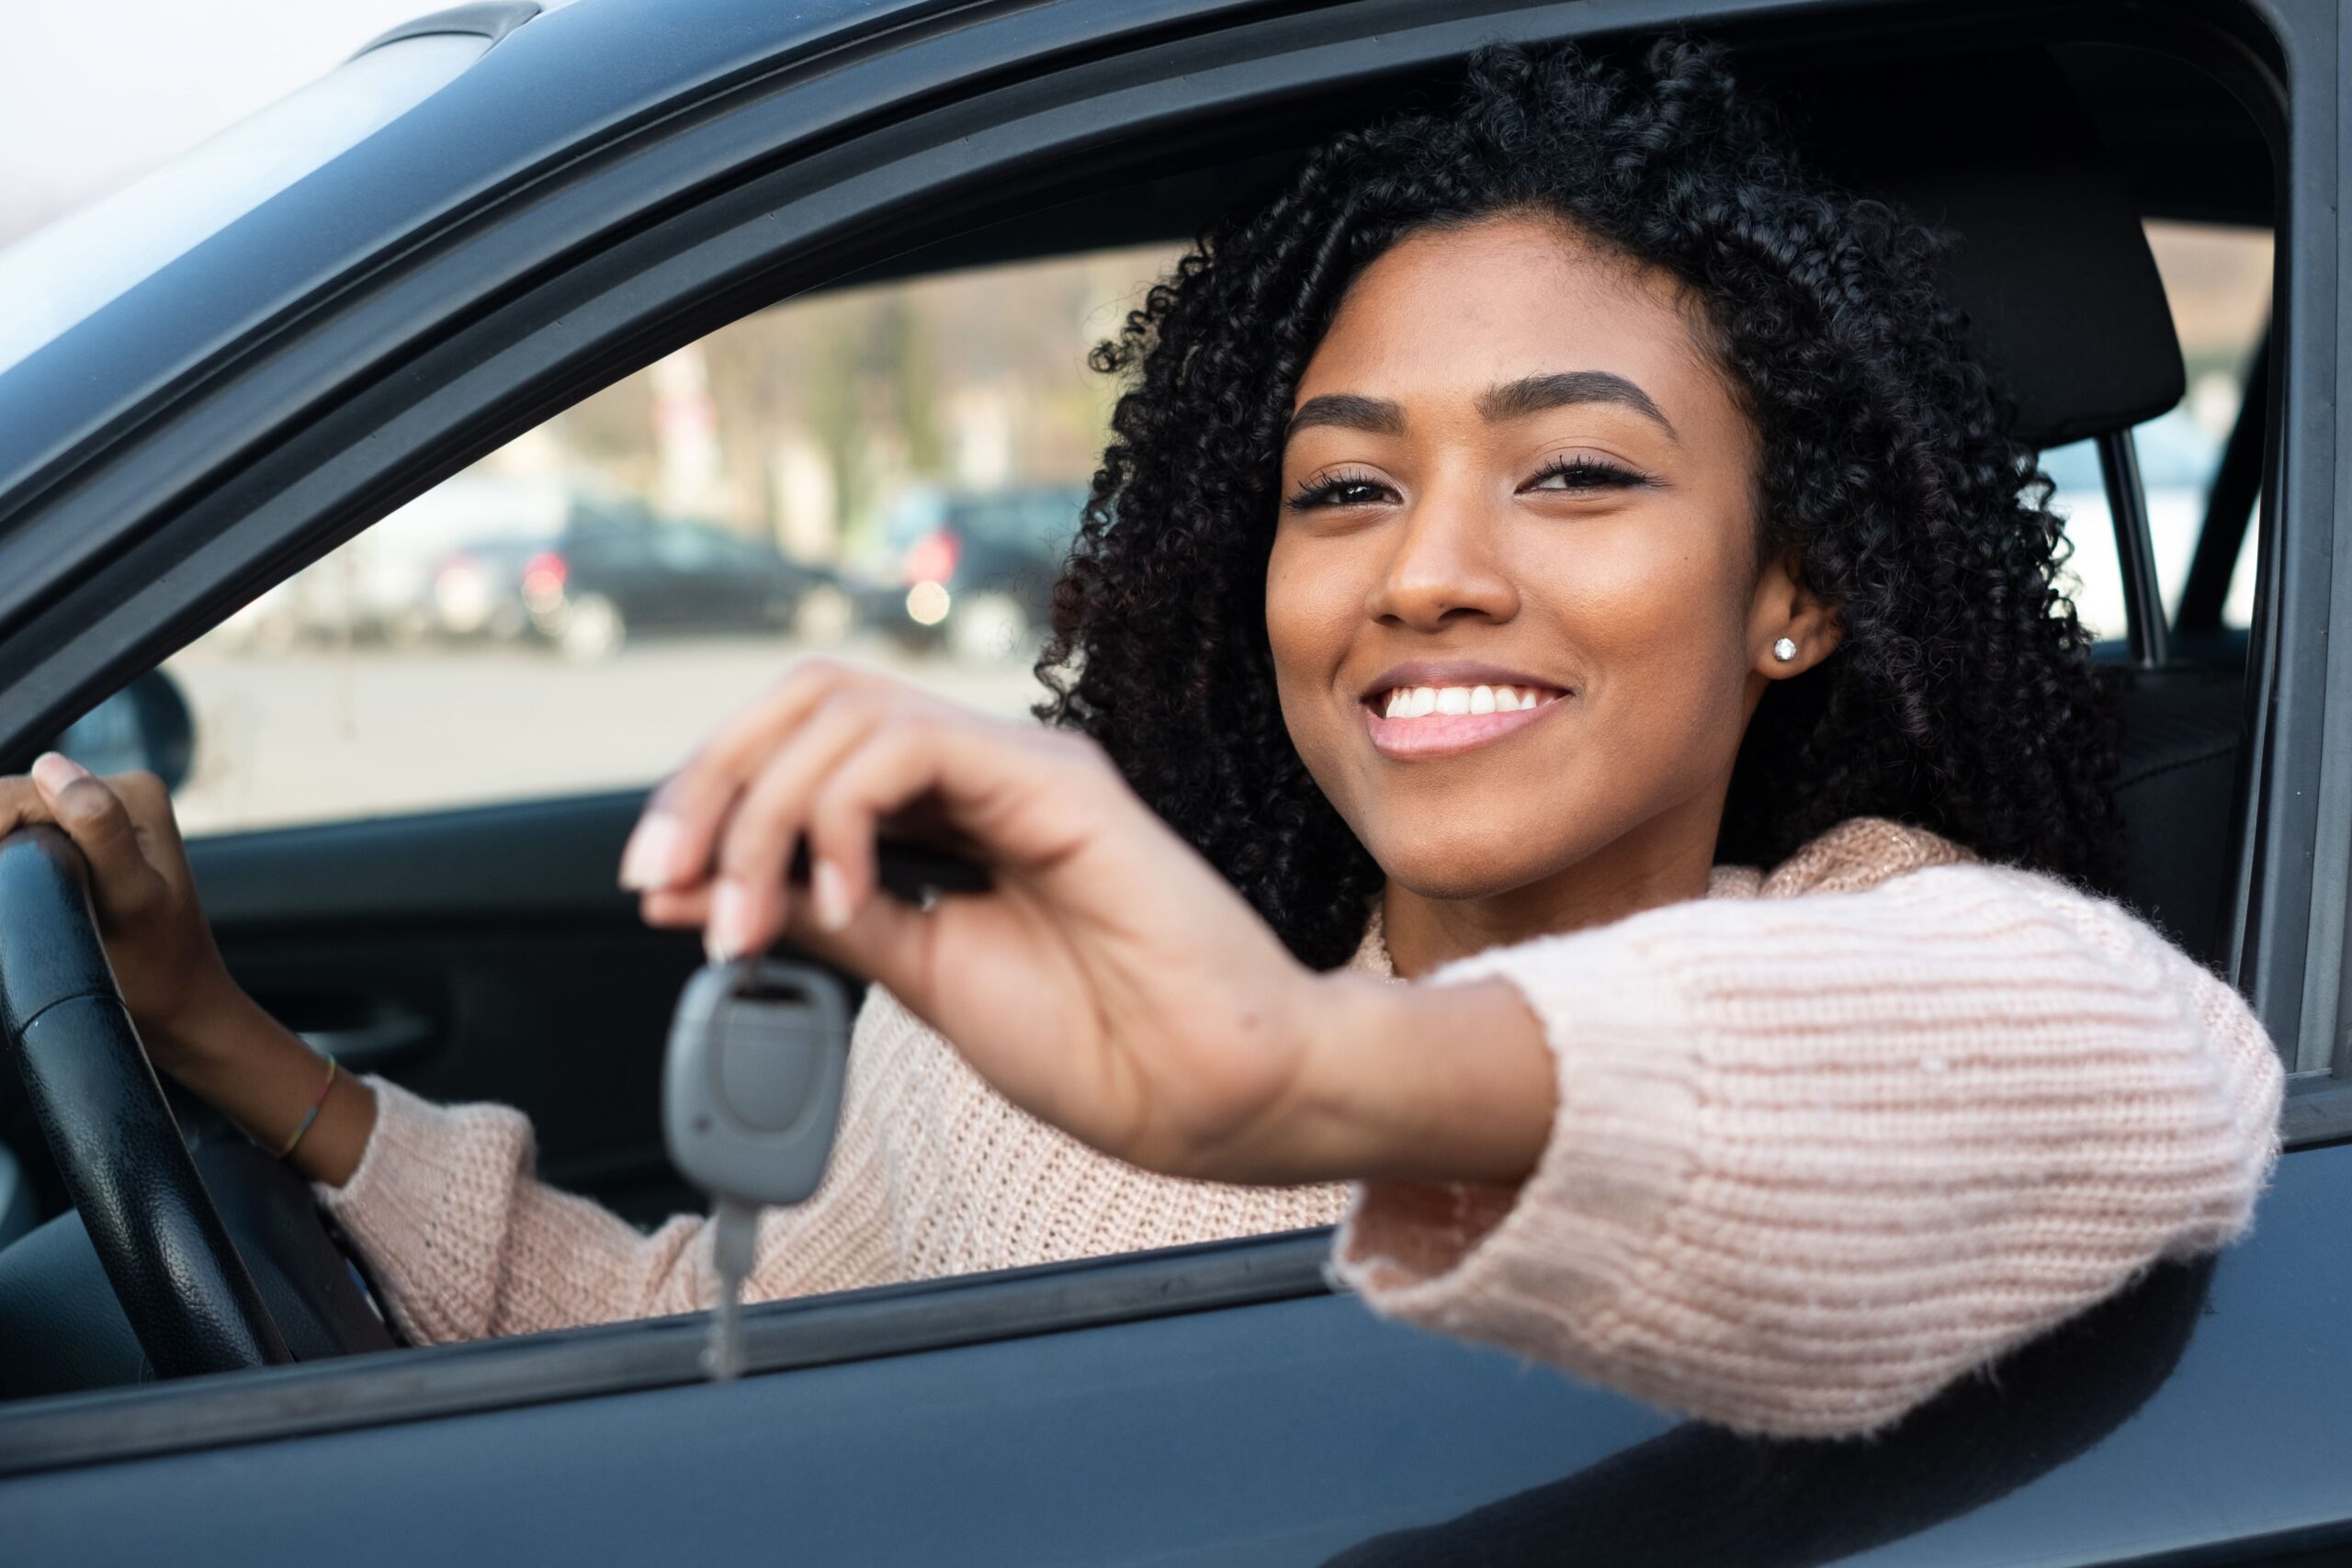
<point>1217,1404</point>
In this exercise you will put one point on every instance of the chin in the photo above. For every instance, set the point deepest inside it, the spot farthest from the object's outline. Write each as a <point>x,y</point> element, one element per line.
<point>1464,867</point>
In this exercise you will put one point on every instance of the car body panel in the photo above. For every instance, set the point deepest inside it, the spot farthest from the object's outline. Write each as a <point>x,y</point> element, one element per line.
<point>1289,1431</point>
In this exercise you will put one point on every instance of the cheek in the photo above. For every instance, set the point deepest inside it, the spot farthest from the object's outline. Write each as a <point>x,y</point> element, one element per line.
<point>1661,610</point>
<point>1312,610</point>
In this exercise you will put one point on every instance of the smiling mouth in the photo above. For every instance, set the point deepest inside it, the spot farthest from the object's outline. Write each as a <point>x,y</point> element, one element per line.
<point>1443,721</point>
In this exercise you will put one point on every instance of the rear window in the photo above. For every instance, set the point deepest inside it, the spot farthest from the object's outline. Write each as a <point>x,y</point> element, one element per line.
<point>2217,281</point>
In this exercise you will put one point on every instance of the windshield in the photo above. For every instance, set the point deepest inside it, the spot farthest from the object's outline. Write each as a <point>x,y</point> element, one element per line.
<point>63,273</point>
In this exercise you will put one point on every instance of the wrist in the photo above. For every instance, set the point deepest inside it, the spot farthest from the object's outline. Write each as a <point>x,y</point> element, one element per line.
<point>212,1026</point>
<point>267,1080</point>
<point>1426,1083</point>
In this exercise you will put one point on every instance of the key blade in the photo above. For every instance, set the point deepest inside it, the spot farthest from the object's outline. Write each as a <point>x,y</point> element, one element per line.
<point>735,1234</point>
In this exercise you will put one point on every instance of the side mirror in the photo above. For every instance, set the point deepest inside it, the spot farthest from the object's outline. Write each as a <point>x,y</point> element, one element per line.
<point>147,725</point>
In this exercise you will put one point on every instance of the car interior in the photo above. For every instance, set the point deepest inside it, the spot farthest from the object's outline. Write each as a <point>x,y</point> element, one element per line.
<point>484,953</point>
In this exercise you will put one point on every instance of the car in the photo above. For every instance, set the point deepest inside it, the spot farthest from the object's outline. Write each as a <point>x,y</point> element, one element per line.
<point>541,201</point>
<point>382,589</point>
<point>609,573</point>
<point>976,568</point>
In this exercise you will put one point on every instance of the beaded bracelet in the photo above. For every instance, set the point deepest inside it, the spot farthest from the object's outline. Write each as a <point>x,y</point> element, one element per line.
<point>312,1114</point>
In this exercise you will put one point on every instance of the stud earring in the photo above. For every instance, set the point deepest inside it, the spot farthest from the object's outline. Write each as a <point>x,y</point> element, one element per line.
<point>1784,650</point>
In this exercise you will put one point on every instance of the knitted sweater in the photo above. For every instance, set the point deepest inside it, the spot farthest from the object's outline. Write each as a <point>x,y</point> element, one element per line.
<point>1826,1140</point>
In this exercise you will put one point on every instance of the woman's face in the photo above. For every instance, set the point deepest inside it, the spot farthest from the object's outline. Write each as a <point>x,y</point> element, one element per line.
<point>1514,601</point>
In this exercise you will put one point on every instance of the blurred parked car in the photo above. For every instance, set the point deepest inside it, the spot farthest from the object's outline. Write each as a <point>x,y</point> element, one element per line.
<point>612,571</point>
<point>976,570</point>
<point>380,586</point>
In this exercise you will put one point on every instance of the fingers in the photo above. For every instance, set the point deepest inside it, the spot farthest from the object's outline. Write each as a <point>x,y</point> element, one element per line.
<point>898,762</point>
<point>716,844</point>
<point>94,814</point>
<point>680,832</point>
<point>895,764</point>
<point>20,804</point>
<point>888,942</point>
<point>747,901</point>
<point>676,909</point>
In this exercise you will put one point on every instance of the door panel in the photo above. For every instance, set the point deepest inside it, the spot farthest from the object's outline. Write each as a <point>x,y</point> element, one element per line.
<point>480,954</point>
<point>2207,1409</point>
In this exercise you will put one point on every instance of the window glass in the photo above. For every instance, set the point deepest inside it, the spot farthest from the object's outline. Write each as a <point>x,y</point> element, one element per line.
<point>2218,282</point>
<point>890,473</point>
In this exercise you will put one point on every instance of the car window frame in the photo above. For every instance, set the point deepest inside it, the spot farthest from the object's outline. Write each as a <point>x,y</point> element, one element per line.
<point>844,204</point>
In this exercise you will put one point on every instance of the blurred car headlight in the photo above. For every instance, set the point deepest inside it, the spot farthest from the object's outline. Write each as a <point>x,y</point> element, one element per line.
<point>927,604</point>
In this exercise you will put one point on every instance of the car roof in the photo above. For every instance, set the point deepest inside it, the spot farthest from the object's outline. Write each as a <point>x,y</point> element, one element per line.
<point>588,72</point>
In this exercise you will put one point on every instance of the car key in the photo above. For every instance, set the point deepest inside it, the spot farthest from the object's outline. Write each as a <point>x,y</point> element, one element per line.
<point>752,1090</point>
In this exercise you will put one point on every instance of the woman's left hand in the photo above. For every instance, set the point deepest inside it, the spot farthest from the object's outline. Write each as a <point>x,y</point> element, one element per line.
<point>1110,982</point>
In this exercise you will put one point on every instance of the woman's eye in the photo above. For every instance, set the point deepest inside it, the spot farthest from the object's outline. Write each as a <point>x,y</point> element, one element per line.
<point>1585,473</point>
<point>1340,489</point>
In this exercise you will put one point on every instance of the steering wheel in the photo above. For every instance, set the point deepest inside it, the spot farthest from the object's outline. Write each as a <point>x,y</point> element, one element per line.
<point>174,1265</point>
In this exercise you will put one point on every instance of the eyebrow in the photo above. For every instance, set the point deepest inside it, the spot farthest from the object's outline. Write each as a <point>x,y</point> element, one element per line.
<point>1375,416</point>
<point>1510,399</point>
<point>1533,394</point>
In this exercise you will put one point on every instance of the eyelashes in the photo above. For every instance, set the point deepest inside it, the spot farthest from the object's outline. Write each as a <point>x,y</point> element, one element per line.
<point>1356,488</point>
<point>1586,473</point>
<point>1342,488</point>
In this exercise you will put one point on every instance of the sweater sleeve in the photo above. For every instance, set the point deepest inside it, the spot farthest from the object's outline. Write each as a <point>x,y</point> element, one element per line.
<point>465,1241</point>
<point>1816,1157</point>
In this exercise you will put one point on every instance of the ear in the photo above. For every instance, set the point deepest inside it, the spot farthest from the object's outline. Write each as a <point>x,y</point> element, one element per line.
<point>1784,607</point>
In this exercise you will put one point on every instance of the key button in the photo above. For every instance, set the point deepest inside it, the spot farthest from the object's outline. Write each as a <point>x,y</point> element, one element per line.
<point>767,1067</point>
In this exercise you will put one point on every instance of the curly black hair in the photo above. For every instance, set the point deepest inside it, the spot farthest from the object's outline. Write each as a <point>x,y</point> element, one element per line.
<point>1961,697</point>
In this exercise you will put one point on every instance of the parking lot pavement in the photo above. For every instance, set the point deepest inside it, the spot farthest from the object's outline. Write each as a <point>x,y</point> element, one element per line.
<point>324,734</point>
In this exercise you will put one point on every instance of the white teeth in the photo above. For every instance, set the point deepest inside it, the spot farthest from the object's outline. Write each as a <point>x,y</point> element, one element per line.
<point>1419,701</point>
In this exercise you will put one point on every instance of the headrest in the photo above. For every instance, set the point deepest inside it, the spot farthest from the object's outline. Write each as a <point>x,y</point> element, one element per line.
<point>2050,261</point>
<point>2063,302</point>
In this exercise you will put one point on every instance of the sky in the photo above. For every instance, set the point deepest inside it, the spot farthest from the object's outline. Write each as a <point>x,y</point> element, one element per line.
<point>94,93</point>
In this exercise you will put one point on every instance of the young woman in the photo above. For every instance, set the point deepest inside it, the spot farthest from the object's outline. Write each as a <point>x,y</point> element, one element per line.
<point>1557,552</point>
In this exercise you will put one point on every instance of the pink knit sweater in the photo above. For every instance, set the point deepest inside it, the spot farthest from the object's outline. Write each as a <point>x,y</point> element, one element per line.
<point>1826,1141</point>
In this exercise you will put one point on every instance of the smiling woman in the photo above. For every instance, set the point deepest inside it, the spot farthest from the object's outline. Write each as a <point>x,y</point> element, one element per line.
<point>1557,552</point>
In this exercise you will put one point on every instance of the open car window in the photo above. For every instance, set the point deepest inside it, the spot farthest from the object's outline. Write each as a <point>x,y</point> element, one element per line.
<point>890,473</point>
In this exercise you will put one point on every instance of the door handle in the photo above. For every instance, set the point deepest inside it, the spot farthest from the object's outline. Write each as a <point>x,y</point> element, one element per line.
<point>377,1043</point>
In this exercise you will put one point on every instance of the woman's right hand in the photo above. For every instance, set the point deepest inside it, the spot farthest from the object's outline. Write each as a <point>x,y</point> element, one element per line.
<point>170,973</point>
<point>194,1021</point>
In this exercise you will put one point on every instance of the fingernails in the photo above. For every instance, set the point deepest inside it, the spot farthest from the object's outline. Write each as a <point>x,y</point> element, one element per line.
<point>649,861</point>
<point>829,889</point>
<point>54,769</point>
<point>728,934</point>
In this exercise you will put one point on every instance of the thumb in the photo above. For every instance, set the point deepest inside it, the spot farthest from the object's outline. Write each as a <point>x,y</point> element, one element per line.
<point>94,817</point>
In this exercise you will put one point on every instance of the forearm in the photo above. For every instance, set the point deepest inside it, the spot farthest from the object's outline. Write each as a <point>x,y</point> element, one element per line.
<point>261,1076</point>
<point>1814,1158</point>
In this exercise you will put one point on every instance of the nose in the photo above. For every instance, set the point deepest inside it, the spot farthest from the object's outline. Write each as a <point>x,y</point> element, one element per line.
<point>1445,566</point>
